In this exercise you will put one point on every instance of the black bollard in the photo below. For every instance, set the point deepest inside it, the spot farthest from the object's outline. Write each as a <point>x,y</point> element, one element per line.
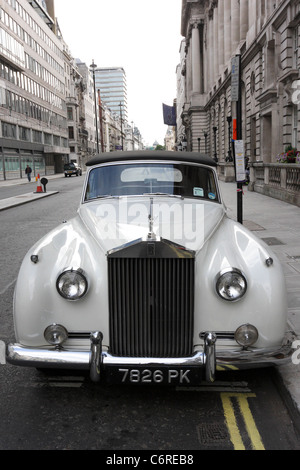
<point>44,182</point>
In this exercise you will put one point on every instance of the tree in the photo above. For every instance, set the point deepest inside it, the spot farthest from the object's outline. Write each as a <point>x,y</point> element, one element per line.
<point>160,147</point>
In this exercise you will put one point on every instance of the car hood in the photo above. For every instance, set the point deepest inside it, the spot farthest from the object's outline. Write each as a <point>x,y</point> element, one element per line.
<point>114,222</point>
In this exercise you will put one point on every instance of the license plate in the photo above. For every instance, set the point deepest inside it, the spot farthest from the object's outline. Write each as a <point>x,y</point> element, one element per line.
<point>151,375</point>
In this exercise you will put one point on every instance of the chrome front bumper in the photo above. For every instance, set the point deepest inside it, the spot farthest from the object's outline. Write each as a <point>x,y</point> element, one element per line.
<point>96,360</point>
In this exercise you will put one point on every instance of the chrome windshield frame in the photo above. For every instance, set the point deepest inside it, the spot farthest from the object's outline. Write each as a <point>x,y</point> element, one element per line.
<point>219,199</point>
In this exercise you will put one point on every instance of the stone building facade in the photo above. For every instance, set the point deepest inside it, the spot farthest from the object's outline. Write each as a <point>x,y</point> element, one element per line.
<point>266,34</point>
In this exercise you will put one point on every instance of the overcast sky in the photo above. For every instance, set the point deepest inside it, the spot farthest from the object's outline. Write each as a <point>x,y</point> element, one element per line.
<point>143,37</point>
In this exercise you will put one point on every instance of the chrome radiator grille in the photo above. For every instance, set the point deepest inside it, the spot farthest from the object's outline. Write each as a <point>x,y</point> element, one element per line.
<point>151,307</point>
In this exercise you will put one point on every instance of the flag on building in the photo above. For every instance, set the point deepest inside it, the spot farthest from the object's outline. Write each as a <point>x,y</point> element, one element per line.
<point>169,115</point>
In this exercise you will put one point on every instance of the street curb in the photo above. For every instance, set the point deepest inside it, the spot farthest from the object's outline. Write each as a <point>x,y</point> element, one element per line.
<point>286,396</point>
<point>23,199</point>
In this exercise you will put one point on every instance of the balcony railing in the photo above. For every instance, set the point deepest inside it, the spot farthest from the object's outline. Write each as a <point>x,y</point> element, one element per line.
<point>278,180</point>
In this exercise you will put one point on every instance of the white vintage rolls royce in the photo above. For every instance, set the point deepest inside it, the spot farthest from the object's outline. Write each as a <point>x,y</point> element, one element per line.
<point>151,282</point>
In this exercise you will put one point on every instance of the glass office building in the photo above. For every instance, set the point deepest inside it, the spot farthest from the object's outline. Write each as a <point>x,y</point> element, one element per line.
<point>33,118</point>
<point>111,81</point>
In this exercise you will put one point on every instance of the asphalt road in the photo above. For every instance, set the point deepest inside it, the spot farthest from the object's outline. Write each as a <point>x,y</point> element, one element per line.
<point>65,410</point>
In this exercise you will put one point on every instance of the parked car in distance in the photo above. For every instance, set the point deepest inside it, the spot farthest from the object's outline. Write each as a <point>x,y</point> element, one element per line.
<point>151,282</point>
<point>71,169</point>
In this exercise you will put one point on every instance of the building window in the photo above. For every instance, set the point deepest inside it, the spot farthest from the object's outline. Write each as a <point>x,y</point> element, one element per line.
<point>64,142</point>
<point>9,130</point>
<point>56,140</point>
<point>37,136</point>
<point>252,83</point>
<point>47,139</point>
<point>24,133</point>
<point>295,116</point>
<point>70,114</point>
<point>296,47</point>
<point>71,132</point>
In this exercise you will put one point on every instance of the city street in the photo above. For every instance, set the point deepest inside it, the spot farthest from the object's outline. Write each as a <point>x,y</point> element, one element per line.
<point>65,410</point>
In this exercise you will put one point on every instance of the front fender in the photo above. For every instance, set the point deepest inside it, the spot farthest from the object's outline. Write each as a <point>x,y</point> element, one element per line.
<point>37,303</point>
<point>265,303</point>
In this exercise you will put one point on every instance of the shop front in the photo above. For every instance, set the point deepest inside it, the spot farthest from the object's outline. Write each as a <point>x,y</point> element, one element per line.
<point>14,161</point>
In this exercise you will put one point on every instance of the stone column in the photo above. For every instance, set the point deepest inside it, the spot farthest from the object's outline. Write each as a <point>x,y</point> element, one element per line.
<point>252,16</point>
<point>244,26</point>
<point>196,59</point>
<point>260,13</point>
<point>227,30</point>
<point>216,43</point>
<point>209,51</point>
<point>235,25</point>
<point>221,34</point>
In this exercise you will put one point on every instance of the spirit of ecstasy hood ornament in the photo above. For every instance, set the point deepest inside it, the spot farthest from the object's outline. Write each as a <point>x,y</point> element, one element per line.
<point>151,234</point>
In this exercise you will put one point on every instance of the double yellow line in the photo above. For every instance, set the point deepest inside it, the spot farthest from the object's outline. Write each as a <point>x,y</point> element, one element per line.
<point>231,422</point>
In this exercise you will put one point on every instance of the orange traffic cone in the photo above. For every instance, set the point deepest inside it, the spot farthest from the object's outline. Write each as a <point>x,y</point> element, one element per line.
<point>39,188</point>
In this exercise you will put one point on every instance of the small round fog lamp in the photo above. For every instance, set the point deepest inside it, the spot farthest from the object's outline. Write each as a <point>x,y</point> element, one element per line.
<point>55,334</point>
<point>246,335</point>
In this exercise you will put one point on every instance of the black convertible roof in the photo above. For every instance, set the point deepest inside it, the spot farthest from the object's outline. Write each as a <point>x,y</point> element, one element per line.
<point>192,157</point>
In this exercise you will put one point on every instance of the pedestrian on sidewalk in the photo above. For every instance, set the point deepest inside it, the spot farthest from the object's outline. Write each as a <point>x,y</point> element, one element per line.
<point>28,172</point>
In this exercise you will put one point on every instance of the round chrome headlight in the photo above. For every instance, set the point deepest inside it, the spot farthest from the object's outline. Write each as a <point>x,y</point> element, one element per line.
<point>72,284</point>
<point>246,335</point>
<point>55,334</point>
<point>231,285</point>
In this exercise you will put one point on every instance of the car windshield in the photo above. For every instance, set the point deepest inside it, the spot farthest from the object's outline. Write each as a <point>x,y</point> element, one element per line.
<point>69,166</point>
<point>177,179</point>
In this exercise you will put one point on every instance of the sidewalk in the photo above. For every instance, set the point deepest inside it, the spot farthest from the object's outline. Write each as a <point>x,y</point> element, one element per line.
<point>278,224</point>
<point>27,196</point>
<point>20,181</point>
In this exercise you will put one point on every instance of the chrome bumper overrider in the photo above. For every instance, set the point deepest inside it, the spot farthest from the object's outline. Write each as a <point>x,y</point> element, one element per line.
<point>96,360</point>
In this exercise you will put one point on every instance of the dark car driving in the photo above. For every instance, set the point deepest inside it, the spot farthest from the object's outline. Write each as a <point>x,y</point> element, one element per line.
<point>72,169</point>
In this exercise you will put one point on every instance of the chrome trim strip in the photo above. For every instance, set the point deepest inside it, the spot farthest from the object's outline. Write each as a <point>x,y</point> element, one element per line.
<point>163,249</point>
<point>131,161</point>
<point>220,335</point>
<point>130,244</point>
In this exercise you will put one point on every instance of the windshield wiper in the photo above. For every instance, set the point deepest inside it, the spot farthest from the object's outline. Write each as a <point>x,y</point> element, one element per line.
<point>104,196</point>
<point>164,194</point>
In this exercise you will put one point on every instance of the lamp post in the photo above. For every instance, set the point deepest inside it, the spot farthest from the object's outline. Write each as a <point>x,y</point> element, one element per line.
<point>101,121</point>
<point>132,128</point>
<point>121,117</point>
<point>215,143</point>
<point>93,66</point>
<point>205,136</point>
